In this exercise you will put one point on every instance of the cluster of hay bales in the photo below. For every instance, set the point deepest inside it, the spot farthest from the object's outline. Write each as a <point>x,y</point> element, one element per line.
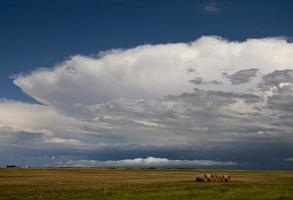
<point>212,178</point>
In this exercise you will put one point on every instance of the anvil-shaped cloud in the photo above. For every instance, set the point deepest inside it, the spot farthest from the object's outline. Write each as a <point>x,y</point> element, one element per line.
<point>154,71</point>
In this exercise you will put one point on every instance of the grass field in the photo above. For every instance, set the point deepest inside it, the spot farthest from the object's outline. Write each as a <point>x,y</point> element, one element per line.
<point>79,184</point>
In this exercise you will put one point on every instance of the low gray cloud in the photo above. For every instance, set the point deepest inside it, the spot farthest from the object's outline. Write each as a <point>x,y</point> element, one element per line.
<point>242,76</point>
<point>277,77</point>
<point>278,87</point>
<point>289,159</point>
<point>280,79</point>
<point>200,81</point>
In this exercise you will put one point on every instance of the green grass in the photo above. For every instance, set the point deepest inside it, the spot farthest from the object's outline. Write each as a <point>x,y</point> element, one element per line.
<point>85,184</point>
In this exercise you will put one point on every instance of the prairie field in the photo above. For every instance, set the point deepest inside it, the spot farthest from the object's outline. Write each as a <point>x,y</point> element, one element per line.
<point>139,184</point>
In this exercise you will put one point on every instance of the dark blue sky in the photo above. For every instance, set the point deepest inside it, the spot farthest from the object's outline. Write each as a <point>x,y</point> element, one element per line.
<point>37,33</point>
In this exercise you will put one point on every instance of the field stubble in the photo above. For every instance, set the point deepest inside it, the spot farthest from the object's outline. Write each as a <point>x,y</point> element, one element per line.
<point>78,183</point>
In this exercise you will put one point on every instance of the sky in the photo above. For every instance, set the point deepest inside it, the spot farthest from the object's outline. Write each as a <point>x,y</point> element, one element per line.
<point>132,83</point>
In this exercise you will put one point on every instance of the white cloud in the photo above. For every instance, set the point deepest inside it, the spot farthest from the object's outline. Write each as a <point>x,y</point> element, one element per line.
<point>31,116</point>
<point>40,120</point>
<point>146,123</point>
<point>212,7</point>
<point>154,71</point>
<point>56,140</point>
<point>146,162</point>
<point>242,107</point>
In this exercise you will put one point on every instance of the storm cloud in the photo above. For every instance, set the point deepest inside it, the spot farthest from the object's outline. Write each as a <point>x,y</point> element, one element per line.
<point>206,95</point>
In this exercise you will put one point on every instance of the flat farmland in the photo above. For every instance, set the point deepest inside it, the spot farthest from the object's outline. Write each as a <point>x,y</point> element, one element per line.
<point>114,184</point>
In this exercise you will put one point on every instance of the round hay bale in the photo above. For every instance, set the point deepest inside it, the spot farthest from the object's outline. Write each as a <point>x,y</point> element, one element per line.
<point>215,178</point>
<point>227,178</point>
<point>222,178</point>
<point>200,178</point>
<point>212,178</point>
<point>218,179</point>
<point>209,177</point>
<point>206,178</point>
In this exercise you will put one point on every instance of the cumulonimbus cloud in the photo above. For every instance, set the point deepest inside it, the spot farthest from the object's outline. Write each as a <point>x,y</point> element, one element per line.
<point>199,95</point>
